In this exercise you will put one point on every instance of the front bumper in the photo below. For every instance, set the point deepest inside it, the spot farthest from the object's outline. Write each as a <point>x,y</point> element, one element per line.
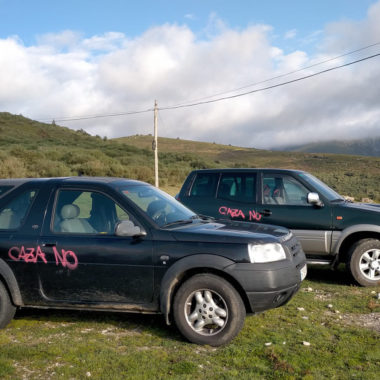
<point>269,285</point>
<point>261,301</point>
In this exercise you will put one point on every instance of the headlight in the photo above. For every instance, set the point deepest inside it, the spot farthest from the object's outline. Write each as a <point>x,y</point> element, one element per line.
<point>264,253</point>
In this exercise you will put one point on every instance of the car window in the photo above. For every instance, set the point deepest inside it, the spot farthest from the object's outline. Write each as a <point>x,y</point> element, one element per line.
<point>286,190</point>
<point>13,214</point>
<point>86,212</point>
<point>204,185</point>
<point>237,187</point>
<point>321,187</point>
<point>4,189</point>
<point>157,205</point>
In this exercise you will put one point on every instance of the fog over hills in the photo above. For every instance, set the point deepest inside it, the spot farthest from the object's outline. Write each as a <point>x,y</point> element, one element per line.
<point>363,147</point>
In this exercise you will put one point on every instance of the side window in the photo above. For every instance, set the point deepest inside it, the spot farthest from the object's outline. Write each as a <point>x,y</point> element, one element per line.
<point>4,189</point>
<point>86,212</point>
<point>238,187</point>
<point>12,215</point>
<point>296,192</point>
<point>204,185</point>
<point>278,189</point>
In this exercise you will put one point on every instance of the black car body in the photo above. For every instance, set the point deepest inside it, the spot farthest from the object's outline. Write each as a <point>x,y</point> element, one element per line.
<point>123,245</point>
<point>329,228</point>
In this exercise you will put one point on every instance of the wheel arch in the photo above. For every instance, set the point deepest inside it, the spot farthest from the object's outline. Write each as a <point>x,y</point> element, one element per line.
<point>10,282</point>
<point>188,267</point>
<point>353,234</point>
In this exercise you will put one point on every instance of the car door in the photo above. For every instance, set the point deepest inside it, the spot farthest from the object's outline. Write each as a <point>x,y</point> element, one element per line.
<point>284,202</point>
<point>236,196</point>
<point>21,216</point>
<point>86,262</point>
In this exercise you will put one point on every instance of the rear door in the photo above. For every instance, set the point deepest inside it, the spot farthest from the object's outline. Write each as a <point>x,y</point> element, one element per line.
<point>236,196</point>
<point>21,217</point>
<point>86,262</point>
<point>201,194</point>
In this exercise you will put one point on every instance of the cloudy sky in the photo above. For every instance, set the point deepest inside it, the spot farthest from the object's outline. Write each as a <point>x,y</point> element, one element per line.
<point>75,59</point>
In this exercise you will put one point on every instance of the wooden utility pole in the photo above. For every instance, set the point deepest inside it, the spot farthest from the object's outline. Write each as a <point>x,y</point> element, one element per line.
<point>155,145</point>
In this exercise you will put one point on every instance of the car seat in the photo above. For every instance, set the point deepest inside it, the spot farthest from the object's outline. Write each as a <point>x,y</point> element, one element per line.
<point>71,222</point>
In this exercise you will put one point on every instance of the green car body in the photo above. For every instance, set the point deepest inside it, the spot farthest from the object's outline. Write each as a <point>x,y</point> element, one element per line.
<point>330,228</point>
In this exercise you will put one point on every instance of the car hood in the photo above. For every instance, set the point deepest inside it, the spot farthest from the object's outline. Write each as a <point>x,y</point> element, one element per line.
<point>225,231</point>
<point>374,207</point>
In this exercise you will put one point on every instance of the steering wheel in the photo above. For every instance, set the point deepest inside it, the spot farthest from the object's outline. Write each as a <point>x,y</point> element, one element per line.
<point>159,216</point>
<point>156,210</point>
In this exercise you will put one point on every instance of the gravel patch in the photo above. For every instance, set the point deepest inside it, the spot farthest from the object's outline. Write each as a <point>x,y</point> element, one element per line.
<point>369,321</point>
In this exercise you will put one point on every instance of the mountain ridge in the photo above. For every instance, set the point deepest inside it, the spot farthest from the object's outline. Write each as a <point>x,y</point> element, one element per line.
<point>362,147</point>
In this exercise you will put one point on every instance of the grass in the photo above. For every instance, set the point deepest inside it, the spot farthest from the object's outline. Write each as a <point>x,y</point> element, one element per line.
<point>48,344</point>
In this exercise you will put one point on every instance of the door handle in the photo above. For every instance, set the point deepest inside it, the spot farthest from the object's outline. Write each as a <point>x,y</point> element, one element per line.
<point>49,244</point>
<point>266,212</point>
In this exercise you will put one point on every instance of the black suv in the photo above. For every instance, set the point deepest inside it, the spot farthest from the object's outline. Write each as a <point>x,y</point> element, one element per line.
<point>123,245</point>
<point>330,228</point>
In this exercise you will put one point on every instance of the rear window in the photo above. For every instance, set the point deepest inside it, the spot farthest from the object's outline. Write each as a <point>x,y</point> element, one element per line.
<point>204,185</point>
<point>13,214</point>
<point>239,187</point>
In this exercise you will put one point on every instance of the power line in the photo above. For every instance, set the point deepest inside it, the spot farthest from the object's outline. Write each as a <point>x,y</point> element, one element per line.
<point>99,116</point>
<point>282,75</point>
<point>197,102</point>
<point>269,87</point>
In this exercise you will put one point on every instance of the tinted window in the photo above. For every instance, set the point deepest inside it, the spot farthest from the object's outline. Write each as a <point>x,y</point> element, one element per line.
<point>4,189</point>
<point>237,187</point>
<point>12,215</point>
<point>86,212</point>
<point>204,185</point>
<point>278,189</point>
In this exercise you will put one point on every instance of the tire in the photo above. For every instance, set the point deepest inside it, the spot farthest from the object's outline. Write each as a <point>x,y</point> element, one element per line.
<point>208,310</point>
<point>7,310</point>
<point>364,262</point>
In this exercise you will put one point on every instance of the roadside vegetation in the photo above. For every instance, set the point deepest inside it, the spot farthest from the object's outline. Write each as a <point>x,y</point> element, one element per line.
<point>329,330</point>
<point>33,149</point>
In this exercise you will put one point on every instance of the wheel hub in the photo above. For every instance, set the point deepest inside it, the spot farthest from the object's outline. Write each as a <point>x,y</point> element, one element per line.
<point>206,312</point>
<point>370,264</point>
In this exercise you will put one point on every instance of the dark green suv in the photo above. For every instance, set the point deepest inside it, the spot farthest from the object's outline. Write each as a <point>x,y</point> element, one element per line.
<point>330,228</point>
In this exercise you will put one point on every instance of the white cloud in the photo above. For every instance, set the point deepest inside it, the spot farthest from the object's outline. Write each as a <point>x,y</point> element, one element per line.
<point>290,34</point>
<point>190,16</point>
<point>68,75</point>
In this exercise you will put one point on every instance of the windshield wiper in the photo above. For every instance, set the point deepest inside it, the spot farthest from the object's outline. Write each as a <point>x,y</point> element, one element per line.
<point>203,217</point>
<point>183,221</point>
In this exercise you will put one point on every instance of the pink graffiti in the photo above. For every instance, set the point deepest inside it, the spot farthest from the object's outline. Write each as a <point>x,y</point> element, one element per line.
<point>253,215</point>
<point>68,259</point>
<point>29,255</point>
<point>63,259</point>
<point>238,213</point>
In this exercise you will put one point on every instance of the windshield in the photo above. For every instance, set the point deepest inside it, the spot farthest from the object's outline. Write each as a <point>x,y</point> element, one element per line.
<point>159,206</point>
<point>321,187</point>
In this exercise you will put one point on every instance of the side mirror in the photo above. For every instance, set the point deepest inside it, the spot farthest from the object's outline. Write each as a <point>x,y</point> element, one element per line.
<point>313,199</point>
<point>127,228</point>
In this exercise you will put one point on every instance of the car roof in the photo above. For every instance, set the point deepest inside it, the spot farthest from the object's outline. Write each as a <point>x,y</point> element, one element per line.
<point>76,180</point>
<point>240,170</point>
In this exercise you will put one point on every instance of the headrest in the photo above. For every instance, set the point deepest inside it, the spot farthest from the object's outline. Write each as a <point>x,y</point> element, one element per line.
<point>70,211</point>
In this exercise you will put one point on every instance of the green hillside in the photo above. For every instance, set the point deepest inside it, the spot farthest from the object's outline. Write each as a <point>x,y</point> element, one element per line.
<point>363,147</point>
<point>33,149</point>
<point>355,176</point>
